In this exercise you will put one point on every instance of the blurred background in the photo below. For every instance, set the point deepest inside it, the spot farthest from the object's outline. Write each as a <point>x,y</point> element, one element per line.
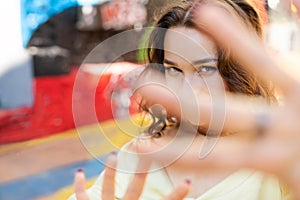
<point>47,76</point>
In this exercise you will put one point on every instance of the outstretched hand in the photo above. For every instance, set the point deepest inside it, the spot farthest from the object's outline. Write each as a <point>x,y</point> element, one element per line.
<point>134,189</point>
<point>275,145</point>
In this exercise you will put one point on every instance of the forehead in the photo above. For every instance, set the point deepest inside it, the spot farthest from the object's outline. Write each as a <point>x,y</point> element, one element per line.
<point>189,44</point>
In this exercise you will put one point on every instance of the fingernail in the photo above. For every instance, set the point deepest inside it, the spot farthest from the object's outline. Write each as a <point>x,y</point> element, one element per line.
<point>188,181</point>
<point>80,170</point>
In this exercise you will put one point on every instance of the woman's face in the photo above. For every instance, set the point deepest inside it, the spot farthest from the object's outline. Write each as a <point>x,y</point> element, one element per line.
<point>190,59</point>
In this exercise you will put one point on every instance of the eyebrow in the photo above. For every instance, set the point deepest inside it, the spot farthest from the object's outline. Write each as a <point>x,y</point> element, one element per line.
<point>201,61</point>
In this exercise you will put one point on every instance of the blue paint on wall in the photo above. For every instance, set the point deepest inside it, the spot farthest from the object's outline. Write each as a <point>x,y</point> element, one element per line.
<point>36,12</point>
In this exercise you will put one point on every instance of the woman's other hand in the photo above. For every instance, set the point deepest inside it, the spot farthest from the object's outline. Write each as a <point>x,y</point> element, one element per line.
<point>134,189</point>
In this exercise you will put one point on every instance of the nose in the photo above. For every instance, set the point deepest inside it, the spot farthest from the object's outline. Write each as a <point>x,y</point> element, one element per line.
<point>196,82</point>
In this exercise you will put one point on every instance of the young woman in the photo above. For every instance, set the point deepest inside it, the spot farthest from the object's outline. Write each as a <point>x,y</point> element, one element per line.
<point>188,58</point>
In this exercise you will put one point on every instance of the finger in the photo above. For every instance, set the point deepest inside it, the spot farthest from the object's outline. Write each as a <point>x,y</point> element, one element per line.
<point>79,186</point>
<point>108,186</point>
<point>230,107</point>
<point>180,192</point>
<point>248,153</point>
<point>190,158</point>
<point>244,45</point>
<point>136,186</point>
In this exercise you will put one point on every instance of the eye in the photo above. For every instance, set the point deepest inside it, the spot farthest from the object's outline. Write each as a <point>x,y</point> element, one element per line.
<point>172,70</point>
<point>206,70</point>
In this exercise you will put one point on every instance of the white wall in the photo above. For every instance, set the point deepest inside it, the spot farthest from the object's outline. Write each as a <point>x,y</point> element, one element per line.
<point>15,62</point>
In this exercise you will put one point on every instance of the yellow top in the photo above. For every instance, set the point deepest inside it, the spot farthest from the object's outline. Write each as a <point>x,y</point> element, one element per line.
<point>243,184</point>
